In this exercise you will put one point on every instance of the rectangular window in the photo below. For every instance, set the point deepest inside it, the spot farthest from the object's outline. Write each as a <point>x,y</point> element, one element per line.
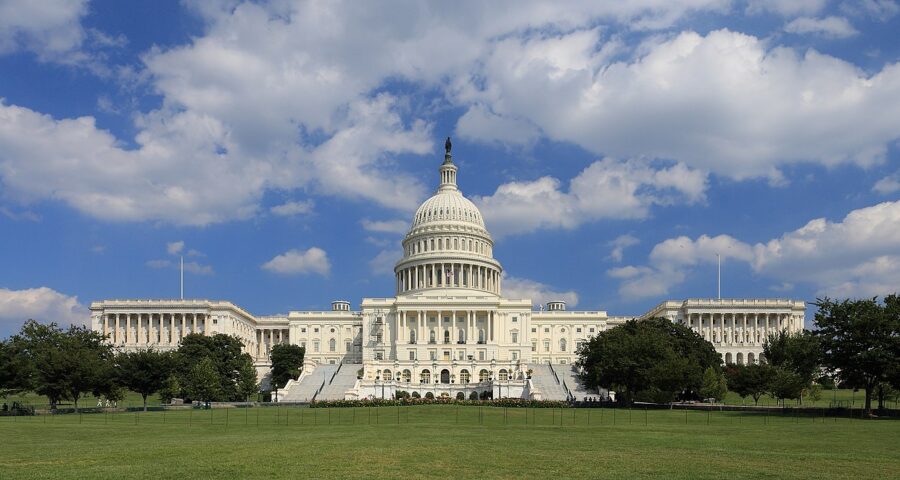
<point>432,354</point>
<point>533,330</point>
<point>462,355</point>
<point>577,330</point>
<point>379,355</point>
<point>315,346</point>
<point>515,355</point>
<point>547,346</point>
<point>591,330</point>
<point>481,355</point>
<point>515,337</point>
<point>533,346</point>
<point>546,330</point>
<point>316,330</point>
<point>515,319</point>
<point>446,355</point>
<point>303,330</point>
<point>412,354</point>
<point>348,344</point>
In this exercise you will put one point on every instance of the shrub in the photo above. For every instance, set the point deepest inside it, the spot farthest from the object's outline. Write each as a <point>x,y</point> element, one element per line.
<point>473,396</point>
<point>429,396</point>
<point>460,396</point>
<point>416,395</point>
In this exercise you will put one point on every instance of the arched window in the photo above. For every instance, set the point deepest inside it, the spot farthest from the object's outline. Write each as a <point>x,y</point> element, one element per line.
<point>412,336</point>
<point>425,376</point>
<point>740,358</point>
<point>503,375</point>
<point>387,375</point>
<point>464,376</point>
<point>462,336</point>
<point>728,358</point>
<point>446,336</point>
<point>562,344</point>
<point>750,358</point>
<point>407,376</point>
<point>332,345</point>
<point>432,338</point>
<point>483,375</point>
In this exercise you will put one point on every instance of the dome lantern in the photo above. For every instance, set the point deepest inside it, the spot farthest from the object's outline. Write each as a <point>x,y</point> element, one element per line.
<point>448,170</point>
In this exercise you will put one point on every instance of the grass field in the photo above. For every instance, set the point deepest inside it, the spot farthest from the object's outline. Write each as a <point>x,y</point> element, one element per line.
<point>462,442</point>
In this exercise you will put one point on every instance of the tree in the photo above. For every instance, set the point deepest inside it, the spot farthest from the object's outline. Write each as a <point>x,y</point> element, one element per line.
<point>786,384</point>
<point>15,371</point>
<point>247,384</point>
<point>287,363</point>
<point>144,371</point>
<point>65,364</point>
<point>800,353</point>
<point>653,360</point>
<point>859,340</point>
<point>171,388</point>
<point>714,384</point>
<point>203,381</point>
<point>227,357</point>
<point>749,380</point>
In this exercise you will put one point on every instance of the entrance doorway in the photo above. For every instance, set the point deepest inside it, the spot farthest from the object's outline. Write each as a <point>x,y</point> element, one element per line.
<point>445,376</point>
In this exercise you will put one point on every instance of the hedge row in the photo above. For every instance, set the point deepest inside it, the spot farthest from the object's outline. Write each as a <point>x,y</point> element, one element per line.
<point>502,402</point>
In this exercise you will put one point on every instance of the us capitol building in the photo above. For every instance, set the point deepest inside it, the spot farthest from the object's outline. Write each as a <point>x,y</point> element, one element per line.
<point>448,330</point>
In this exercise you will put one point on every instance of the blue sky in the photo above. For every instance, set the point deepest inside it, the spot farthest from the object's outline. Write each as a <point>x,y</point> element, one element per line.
<point>281,147</point>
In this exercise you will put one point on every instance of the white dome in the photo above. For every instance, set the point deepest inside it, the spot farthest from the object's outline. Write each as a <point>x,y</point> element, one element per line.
<point>447,206</point>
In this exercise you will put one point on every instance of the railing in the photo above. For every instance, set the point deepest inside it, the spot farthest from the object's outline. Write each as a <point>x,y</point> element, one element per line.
<point>338,369</point>
<point>553,370</point>
<point>318,391</point>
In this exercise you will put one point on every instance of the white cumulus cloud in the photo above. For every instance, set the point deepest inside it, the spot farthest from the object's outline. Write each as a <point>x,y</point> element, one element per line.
<point>538,293</point>
<point>289,209</point>
<point>833,27</point>
<point>608,188</point>
<point>726,102</point>
<point>313,260</point>
<point>857,256</point>
<point>42,304</point>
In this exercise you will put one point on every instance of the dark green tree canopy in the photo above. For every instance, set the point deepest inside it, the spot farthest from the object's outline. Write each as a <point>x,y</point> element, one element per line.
<point>649,360</point>
<point>859,340</point>
<point>65,364</point>
<point>751,380</point>
<point>287,362</point>
<point>144,371</point>
<point>234,369</point>
<point>799,353</point>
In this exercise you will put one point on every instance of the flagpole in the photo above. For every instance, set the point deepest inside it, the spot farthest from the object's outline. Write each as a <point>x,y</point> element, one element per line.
<point>182,277</point>
<point>719,276</point>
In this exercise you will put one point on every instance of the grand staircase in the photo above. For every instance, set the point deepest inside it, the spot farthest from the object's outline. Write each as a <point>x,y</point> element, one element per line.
<point>342,380</point>
<point>549,385</point>
<point>324,382</point>
<point>569,375</point>
<point>305,390</point>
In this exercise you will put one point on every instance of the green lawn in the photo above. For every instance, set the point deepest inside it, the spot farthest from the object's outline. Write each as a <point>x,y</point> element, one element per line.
<point>440,441</point>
